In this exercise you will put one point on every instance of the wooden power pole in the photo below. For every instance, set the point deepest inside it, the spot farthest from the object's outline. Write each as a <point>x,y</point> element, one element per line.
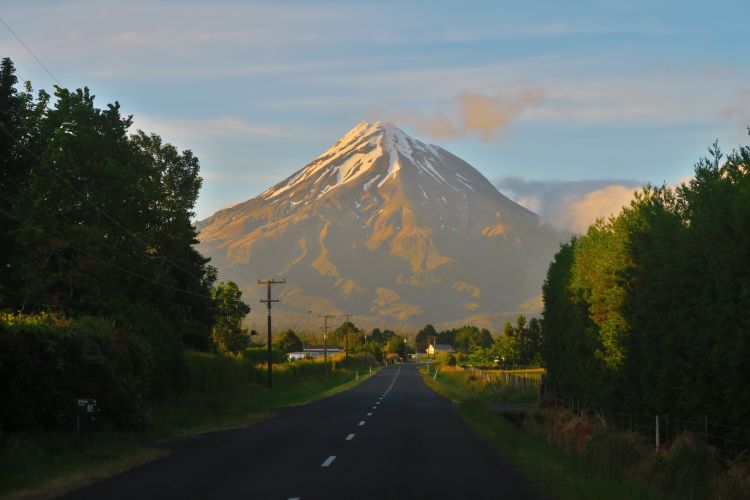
<point>346,327</point>
<point>268,301</point>
<point>325,335</point>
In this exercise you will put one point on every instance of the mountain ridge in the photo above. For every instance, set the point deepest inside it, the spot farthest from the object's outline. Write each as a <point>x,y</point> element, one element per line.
<point>384,225</point>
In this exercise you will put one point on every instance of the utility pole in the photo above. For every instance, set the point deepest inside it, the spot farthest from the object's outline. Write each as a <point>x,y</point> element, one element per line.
<point>346,327</point>
<point>325,341</point>
<point>268,301</point>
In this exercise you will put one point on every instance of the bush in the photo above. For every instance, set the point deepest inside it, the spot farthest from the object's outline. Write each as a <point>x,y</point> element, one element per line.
<point>615,451</point>
<point>446,359</point>
<point>257,355</point>
<point>688,468</point>
<point>46,362</point>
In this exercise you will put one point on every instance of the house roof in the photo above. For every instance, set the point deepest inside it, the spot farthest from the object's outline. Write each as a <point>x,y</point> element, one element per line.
<point>316,348</point>
<point>443,347</point>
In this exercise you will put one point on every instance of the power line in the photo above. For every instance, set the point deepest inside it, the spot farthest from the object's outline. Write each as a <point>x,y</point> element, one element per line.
<point>30,51</point>
<point>259,269</point>
<point>104,261</point>
<point>99,209</point>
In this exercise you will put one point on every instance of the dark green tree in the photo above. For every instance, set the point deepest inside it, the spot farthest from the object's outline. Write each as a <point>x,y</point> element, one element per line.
<point>288,341</point>
<point>228,334</point>
<point>423,337</point>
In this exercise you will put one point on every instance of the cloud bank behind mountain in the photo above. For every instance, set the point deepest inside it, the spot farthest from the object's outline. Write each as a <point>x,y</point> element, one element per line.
<point>570,205</point>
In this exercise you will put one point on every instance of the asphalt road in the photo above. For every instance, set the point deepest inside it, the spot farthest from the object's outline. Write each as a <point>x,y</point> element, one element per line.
<point>390,437</point>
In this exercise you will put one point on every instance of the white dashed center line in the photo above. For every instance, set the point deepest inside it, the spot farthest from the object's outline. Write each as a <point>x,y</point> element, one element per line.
<point>361,422</point>
<point>350,437</point>
<point>369,414</point>
<point>328,461</point>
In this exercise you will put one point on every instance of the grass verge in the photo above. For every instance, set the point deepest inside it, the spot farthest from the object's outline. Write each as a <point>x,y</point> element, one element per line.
<point>562,475</point>
<point>47,464</point>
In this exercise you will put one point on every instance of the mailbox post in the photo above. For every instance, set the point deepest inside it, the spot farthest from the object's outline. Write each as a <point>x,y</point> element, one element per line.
<point>84,408</point>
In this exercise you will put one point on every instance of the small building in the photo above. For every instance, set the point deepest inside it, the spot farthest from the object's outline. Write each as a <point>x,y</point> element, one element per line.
<point>434,349</point>
<point>314,351</point>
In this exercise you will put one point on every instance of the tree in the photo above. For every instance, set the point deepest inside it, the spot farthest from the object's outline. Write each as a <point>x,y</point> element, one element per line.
<point>288,341</point>
<point>424,336</point>
<point>396,346</point>
<point>227,333</point>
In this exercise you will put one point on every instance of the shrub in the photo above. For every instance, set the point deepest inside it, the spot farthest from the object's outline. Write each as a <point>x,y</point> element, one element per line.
<point>257,355</point>
<point>47,362</point>
<point>689,467</point>
<point>615,451</point>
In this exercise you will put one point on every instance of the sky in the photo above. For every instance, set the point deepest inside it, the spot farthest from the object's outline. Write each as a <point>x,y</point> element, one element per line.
<point>566,106</point>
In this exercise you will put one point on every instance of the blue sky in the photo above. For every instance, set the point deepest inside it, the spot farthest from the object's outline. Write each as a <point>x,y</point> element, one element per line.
<point>581,91</point>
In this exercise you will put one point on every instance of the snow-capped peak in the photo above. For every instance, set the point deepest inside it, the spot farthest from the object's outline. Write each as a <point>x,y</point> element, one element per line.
<point>372,154</point>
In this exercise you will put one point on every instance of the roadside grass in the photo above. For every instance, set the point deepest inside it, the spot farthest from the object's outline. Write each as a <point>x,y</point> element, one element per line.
<point>47,464</point>
<point>562,475</point>
<point>460,386</point>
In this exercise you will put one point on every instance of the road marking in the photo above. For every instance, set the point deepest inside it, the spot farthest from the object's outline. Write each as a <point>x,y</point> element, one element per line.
<point>373,407</point>
<point>328,461</point>
<point>350,437</point>
<point>361,422</point>
<point>293,498</point>
<point>369,414</point>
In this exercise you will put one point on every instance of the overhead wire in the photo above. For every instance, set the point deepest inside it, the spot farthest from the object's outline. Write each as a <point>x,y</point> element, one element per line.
<point>104,261</point>
<point>97,208</point>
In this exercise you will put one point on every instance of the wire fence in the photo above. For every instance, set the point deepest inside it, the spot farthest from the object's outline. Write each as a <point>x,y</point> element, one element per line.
<point>732,443</point>
<point>663,428</point>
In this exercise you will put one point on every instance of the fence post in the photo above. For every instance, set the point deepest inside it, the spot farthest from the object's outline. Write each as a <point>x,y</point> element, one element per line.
<point>657,432</point>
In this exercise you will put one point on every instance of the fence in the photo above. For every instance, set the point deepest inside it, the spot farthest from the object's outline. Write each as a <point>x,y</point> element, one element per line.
<point>730,442</point>
<point>504,377</point>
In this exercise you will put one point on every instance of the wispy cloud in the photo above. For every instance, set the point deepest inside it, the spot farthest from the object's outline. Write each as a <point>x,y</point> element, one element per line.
<point>216,127</point>
<point>486,116</point>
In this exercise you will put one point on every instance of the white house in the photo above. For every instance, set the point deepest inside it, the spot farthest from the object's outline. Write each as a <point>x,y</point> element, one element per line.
<point>312,352</point>
<point>434,349</point>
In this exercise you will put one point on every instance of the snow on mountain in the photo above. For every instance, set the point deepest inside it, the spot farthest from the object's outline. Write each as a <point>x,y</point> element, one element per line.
<point>387,227</point>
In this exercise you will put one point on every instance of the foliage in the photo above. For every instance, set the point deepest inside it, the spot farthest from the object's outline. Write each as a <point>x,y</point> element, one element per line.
<point>396,346</point>
<point>288,341</point>
<point>227,333</point>
<point>520,345</point>
<point>47,361</point>
<point>425,336</point>
<point>649,311</point>
<point>95,221</point>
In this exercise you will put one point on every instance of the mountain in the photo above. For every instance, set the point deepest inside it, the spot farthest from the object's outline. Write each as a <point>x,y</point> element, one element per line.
<point>389,229</point>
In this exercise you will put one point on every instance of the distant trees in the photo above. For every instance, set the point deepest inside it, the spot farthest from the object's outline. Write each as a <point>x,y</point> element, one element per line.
<point>520,345</point>
<point>649,310</point>
<point>288,341</point>
<point>423,337</point>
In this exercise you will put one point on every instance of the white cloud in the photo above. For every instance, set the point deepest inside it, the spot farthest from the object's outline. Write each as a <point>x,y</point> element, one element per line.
<point>580,212</point>
<point>486,116</point>
<point>570,205</point>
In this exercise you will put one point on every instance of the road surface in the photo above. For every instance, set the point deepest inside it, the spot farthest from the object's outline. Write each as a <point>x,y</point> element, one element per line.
<point>390,437</point>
